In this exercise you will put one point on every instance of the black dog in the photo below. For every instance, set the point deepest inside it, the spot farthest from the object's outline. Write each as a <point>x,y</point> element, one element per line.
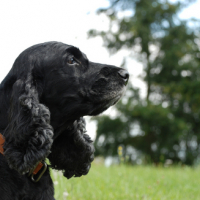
<point>43,99</point>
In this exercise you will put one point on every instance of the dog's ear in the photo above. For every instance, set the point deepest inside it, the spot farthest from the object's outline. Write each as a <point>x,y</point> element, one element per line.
<point>28,136</point>
<point>73,152</point>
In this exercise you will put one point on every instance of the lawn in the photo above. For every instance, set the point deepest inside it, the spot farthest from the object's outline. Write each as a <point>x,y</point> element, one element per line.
<point>130,183</point>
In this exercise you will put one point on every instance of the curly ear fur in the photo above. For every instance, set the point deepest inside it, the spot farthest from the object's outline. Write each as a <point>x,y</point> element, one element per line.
<point>28,137</point>
<point>73,152</point>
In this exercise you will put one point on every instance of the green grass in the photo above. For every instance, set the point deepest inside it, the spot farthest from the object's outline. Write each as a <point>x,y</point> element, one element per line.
<point>130,183</point>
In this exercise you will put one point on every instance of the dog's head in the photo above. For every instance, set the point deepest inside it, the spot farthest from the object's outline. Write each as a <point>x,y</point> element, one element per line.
<point>60,80</point>
<point>78,86</point>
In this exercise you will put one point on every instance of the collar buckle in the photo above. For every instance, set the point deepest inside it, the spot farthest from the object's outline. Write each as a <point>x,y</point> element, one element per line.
<point>37,170</point>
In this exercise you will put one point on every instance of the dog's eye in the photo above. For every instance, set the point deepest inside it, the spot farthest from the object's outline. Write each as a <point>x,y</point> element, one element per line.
<point>71,61</point>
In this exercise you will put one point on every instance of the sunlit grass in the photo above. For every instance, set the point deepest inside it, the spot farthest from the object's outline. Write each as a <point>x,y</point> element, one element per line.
<point>130,183</point>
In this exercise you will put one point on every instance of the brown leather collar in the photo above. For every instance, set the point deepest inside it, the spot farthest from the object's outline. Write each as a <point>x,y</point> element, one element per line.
<point>1,143</point>
<point>35,170</point>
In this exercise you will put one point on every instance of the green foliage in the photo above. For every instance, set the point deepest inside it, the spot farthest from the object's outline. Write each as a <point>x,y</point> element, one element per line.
<point>160,133</point>
<point>125,182</point>
<point>168,47</point>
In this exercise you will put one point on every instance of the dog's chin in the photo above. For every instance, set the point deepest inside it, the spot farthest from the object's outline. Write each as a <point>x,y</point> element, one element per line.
<point>107,101</point>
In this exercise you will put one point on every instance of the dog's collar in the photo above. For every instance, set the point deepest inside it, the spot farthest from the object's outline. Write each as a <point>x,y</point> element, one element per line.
<point>33,172</point>
<point>2,140</point>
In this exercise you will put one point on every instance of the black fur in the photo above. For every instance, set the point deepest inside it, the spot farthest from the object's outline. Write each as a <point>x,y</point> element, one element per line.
<point>43,99</point>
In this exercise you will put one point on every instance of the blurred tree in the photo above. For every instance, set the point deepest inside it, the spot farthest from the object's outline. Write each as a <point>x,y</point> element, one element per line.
<point>166,123</point>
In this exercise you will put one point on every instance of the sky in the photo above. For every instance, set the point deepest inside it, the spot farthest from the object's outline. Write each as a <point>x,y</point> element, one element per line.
<point>24,23</point>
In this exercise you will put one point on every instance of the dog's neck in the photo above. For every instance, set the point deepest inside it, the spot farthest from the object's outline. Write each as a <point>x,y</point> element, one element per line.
<point>64,127</point>
<point>62,121</point>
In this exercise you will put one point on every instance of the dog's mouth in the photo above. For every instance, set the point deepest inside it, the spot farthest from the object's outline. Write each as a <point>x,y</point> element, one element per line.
<point>104,100</point>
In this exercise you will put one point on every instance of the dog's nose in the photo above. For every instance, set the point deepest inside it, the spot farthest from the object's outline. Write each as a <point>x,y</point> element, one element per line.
<point>124,75</point>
